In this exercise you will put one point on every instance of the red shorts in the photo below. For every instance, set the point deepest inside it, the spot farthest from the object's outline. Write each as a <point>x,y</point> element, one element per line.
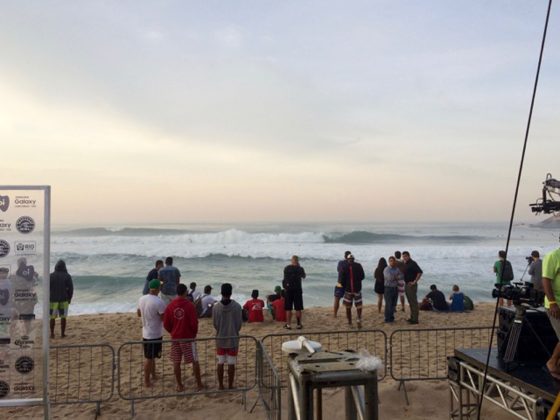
<point>226,352</point>
<point>182,350</point>
<point>227,356</point>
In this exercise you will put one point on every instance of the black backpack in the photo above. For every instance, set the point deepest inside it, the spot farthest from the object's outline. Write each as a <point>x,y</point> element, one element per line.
<point>507,274</point>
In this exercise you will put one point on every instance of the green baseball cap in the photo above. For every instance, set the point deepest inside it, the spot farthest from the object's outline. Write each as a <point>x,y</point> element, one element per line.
<point>278,289</point>
<point>154,284</point>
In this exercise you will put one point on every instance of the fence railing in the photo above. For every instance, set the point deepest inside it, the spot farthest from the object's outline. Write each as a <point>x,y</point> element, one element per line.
<point>270,386</point>
<point>374,341</point>
<point>131,369</point>
<point>82,373</point>
<point>421,354</point>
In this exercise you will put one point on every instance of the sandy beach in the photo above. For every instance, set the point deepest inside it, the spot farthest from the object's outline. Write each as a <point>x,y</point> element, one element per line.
<point>116,329</point>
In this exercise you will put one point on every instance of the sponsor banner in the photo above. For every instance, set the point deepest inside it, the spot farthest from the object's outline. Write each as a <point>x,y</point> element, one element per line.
<point>22,239</point>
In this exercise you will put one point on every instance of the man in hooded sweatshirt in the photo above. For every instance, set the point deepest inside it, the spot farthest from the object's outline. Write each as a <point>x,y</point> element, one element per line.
<point>61,292</point>
<point>227,320</point>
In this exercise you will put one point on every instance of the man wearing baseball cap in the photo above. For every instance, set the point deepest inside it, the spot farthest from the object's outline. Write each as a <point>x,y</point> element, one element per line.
<point>151,309</point>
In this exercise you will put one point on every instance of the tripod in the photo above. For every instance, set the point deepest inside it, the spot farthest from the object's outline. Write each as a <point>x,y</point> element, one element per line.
<point>515,333</point>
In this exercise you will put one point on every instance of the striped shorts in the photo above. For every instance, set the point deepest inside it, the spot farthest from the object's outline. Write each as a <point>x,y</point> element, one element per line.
<point>185,351</point>
<point>353,297</point>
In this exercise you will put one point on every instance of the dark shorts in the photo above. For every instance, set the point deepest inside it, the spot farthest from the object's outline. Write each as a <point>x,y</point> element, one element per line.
<point>338,292</point>
<point>152,348</point>
<point>294,300</point>
<point>355,298</point>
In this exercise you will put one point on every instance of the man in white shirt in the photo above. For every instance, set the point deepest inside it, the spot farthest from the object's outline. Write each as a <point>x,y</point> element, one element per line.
<point>151,309</point>
<point>207,301</point>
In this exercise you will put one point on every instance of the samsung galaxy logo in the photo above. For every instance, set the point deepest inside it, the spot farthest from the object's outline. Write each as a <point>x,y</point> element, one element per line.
<point>23,201</point>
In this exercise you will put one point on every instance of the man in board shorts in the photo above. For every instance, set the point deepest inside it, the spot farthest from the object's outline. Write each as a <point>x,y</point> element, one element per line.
<point>181,321</point>
<point>293,276</point>
<point>151,309</point>
<point>62,290</point>
<point>338,289</point>
<point>351,278</point>
<point>227,320</point>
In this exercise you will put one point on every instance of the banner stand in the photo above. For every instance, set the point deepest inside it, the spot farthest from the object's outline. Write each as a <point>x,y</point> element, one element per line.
<point>25,235</point>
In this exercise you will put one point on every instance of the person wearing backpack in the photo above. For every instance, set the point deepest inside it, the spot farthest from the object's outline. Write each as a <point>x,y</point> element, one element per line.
<point>503,278</point>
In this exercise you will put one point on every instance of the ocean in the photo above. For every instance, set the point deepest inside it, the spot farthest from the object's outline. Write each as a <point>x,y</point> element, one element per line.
<point>109,264</point>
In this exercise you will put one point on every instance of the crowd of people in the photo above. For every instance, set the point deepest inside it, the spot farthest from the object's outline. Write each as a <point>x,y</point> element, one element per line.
<point>171,305</point>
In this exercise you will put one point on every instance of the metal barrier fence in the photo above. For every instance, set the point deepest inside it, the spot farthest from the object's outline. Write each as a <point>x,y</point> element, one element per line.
<point>374,341</point>
<point>421,354</point>
<point>82,373</point>
<point>270,386</point>
<point>131,371</point>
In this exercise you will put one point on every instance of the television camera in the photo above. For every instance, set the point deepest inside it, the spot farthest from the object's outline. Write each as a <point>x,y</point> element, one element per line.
<point>550,200</point>
<point>520,293</point>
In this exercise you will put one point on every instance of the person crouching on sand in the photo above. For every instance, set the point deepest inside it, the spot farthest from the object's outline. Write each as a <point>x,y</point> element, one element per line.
<point>181,321</point>
<point>227,321</point>
<point>151,309</point>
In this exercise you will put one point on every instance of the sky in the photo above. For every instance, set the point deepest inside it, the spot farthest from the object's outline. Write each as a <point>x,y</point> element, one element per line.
<point>251,111</point>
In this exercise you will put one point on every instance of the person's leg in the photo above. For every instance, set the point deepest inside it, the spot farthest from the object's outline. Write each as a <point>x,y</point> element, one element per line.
<point>63,327</point>
<point>348,313</point>
<point>53,322</point>
<point>402,303</point>
<point>336,305</point>
<point>289,318</point>
<point>220,371</point>
<point>359,312</point>
<point>552,363</point>
<point>178,379</point>
<point>298,317</point>
<point>231,375</point>
<point>388,308</point>
<point>197,376</point>
<point>379,302</point>
<point>147,371</point>
<point>414,310</point>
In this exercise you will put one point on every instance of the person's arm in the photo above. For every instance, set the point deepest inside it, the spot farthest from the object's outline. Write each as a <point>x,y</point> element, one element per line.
<point>419,273</point>
<point>138,312</point>
<point>194,320</point>
<point>302,272</point>
<point>531,269</point>
<point>178,276</point>
<point>70,288</point>
<point>168,321</point>
<point>553,308</point>
<point>216,319</point>
<point>239,320</point>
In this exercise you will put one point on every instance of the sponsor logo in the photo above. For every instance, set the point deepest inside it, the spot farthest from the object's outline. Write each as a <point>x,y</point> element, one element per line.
<point>24,364</point>
<point>5,226</point>
<point>24,201</point>
<point>25,248</point>
<point>24,342</point>
<point>25,224</point>
<point>4,389</point>
<point>24,294</point>
<point>4,248</point>
<point>24,387</point>
<point>4,202</point>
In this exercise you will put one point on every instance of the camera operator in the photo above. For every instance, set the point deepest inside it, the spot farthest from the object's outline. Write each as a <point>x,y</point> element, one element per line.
<point>551,285</point>
<point>535,270</point>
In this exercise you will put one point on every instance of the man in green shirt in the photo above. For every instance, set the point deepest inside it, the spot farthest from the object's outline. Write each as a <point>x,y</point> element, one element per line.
<point>503,276</point>
<point>551,285</point>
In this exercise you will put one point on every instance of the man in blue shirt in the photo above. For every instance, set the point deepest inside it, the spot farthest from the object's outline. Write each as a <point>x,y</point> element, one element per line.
<point>170,277</point>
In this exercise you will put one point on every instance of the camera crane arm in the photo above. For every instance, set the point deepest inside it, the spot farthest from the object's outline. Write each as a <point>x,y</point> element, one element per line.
<point>550,200</point>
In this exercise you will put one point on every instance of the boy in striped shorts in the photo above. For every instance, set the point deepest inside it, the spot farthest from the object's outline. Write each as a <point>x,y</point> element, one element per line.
<point>181,321</point>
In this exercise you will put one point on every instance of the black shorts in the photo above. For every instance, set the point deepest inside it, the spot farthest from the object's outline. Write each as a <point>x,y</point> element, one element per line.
<point>151,349</point>
<point>294,300</point>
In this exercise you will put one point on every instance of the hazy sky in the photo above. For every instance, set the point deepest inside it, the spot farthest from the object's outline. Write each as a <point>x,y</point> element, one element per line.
<point>177,111</point>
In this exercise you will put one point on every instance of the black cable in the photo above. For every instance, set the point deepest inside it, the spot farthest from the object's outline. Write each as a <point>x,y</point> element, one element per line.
<point>481,397</point>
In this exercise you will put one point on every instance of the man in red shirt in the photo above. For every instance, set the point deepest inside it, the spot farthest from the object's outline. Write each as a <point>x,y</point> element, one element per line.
<point>181,321</point>
<point>278,311</point>
<point>254,307</point>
